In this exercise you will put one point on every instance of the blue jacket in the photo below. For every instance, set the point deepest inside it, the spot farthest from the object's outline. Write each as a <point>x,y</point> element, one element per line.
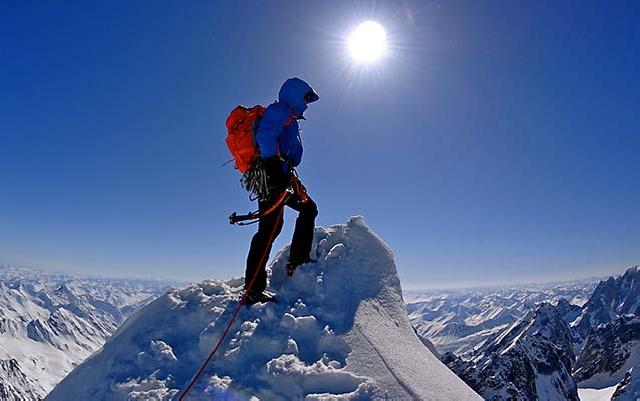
<point>279,129</point>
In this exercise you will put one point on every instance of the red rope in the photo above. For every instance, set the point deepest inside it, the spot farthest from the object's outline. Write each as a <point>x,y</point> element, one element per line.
<point>281,200</point>
<point>234,317</point>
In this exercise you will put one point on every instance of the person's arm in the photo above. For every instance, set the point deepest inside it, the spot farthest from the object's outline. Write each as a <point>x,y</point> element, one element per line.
<point>294,144</point>
<point>270,128</point>
<point>267,137</point>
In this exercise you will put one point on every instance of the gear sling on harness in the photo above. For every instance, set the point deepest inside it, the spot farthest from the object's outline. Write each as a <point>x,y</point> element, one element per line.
<point>296,188</point>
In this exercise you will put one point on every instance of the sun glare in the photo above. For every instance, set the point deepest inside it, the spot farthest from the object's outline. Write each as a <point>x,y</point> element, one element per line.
<point>368,42</point>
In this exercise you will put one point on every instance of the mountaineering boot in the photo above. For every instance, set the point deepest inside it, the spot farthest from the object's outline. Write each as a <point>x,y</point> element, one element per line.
<point>291,267</point>
<point>260,297</point>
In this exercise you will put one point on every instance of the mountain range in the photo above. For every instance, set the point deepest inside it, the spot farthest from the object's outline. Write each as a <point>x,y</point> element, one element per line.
<point>341,329</point>
<point>573,338</point>
<point>49,323</point>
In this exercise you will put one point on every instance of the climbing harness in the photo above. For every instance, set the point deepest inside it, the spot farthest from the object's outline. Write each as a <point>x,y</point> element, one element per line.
<point>299,189</point>
<point>256,180</point>
<point>295,188</point>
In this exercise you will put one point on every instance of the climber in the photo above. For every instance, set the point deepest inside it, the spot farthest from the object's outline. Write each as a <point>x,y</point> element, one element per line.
<point>278,140</point>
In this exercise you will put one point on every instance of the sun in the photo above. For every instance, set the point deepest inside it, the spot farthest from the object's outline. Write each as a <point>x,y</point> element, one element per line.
<point>368,42</point>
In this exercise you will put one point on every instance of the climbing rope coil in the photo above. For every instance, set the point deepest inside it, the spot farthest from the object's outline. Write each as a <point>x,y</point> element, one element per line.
<point>256,181</point>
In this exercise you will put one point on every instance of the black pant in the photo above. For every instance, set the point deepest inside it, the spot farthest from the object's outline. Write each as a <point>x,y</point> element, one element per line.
<point>269,227</point>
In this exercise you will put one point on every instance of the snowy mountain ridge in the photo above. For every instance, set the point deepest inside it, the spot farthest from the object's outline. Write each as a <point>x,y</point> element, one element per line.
<point>49,323</point>
<point>338,331</point>
<point>613,297</point>
<point>595,342</point>
<point>530,360</point>
<point>460,320</point>
<point>610,350</point>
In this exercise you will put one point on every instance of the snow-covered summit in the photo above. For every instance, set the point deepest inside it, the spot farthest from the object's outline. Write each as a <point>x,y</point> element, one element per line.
<point>612,298</point>
<point>338,331</point>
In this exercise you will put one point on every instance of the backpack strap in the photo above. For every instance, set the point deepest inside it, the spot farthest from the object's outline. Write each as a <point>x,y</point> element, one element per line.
<point>287,124</point>
<point>290,120</point>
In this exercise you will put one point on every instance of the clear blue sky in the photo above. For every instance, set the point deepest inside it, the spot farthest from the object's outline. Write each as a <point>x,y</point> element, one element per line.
<point>496,142</point>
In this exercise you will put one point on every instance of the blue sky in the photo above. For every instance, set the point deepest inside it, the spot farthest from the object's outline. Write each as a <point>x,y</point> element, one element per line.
<point>496,142</point>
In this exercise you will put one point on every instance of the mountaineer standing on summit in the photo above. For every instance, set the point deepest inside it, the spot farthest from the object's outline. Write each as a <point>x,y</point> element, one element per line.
<point>273,179</point>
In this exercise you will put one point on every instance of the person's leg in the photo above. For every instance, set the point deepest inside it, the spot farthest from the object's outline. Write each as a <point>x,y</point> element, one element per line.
<point>268,229</point>
<point>303,233</point>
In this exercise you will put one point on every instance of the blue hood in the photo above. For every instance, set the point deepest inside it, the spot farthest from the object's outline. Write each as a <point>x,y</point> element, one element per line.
<point>292,93</point>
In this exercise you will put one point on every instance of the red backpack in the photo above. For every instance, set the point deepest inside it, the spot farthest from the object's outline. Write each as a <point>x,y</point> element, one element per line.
<point>242,125</point>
